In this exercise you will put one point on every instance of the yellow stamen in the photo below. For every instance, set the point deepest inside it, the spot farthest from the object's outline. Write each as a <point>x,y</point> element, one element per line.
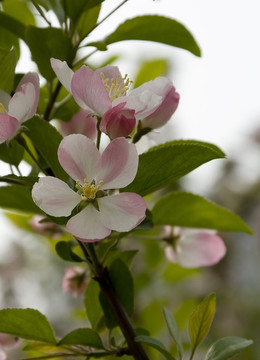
<point>2,108</point>
<point>116,87</point>
<point>88,191</point>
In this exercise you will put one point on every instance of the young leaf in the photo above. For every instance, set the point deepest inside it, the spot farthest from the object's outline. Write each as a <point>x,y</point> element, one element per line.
<point>19,9</point>
<point>195,211</point>
<point>45,43</point>
<point>28,324</point>
<point>19,180</point>
<point>156,344</point>
<point>150,70</point>
<point>64,250</point>
<point>200,321</point>
<point>173,329</point>
<point>84,336</point>
<point>17,197</point>
<point>226,347</point>
<point>92,304</point>
<point>164,164</point>
<point>155,28</point>
<point>48,144</point>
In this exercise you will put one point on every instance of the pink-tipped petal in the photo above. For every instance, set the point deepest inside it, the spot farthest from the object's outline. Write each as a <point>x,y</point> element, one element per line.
<point>54,196</point>
<point>87,87</point>
<point>80,123</point>
<point>22,104</point>
<point>33,78</point>
<point>79,157</point>
<point>9,341</point>
<point>8,127</point>
<point>199,249</point>
<point>119,164</point>
<point>87,225</point>
<point>118,121</point>
<point>63,72</point>
<point>164,112</point>
<point>122,212</point>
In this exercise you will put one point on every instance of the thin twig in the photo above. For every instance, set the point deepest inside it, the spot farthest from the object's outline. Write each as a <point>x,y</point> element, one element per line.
<point>40,12</point>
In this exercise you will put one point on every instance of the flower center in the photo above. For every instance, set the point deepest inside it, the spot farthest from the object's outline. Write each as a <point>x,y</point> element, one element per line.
<point>2,108</point>
<point>88,191</point>
<point>116,87</point>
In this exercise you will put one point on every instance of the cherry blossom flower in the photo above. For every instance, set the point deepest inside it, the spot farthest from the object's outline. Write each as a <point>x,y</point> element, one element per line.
<point>75,281</point>
<point>8,342</point>
<point>45,228</point>
<point>95,174</point>
<point>193,248</point>
<point>80,123</point>
<point>153,102</point>
<point>21,107</point>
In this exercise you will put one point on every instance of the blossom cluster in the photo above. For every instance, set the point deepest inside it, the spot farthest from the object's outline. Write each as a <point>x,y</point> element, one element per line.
<point>94,205</point>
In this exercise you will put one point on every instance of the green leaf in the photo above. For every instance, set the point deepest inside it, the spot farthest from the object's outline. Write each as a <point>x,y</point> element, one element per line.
<point>126,256</point>
<point>19,180</point>
<point>13,25</point>
<point>19,10</point>
<point>17,197</point>
<point>46,144</point>
<point>84,336</point>
<point>55,6</point>
<point>11,153</point>
<point>8,40</point>
<point>173,329</point>
<point>75,9</point>
<point>64,250</point>
<point>28,324</point>
<point>150,70</point>
<point>7,67</point>
<point>226,347</point>
<point>189,210</point>
<point>156,344</point>
<point>164,164</point>
<point>123,285</point>
<point>88,21</point>
<point>45,43</point>
<point>200,321</point>
<point>155,28</point>
<point>92,304</point>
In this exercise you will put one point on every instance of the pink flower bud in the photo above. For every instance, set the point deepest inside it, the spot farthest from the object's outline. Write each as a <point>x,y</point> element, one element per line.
<point>45,228</point>
<point>80,123</point>
<point>118,121</point>
<point>75,281</point>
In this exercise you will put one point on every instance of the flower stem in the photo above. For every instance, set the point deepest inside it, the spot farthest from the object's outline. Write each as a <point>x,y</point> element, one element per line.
<point>102,277</point>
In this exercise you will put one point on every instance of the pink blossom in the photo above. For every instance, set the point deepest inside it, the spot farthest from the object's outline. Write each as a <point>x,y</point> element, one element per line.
<point>75,281</point>
<point>118,121</point>
<point>80,123</point>
<point>45,228</point>
<point>99,212</point>
<point>21,107</point>
<point>153,102</point>
<point>8,341</point>
<point>193,248</point>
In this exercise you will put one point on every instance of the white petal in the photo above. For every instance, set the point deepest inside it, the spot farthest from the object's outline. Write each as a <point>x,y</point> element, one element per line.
<point>22,103</point>
<point>63,72</point>
<point>54,196</point>
<point>87,225</point>
<point>122,212</point>
<point>119,164</point>
<point>79,157</point>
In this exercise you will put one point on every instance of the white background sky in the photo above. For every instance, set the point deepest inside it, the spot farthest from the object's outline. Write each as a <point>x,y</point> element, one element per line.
<point>220,100</point>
